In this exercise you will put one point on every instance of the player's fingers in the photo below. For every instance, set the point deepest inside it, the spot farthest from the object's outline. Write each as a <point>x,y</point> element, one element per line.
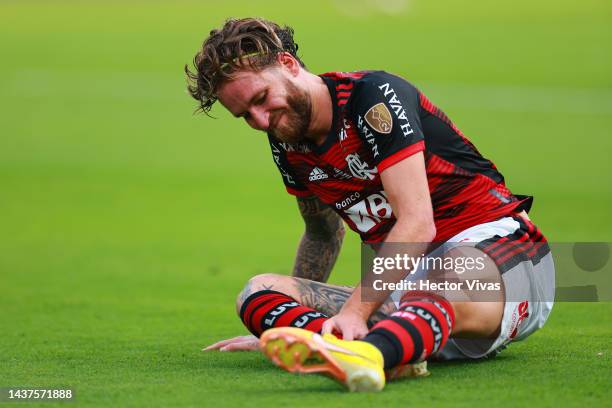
<point>347,334</point>
<point>360,334</point>
<point>221,343</point>
<point>241,346</point>
<point>215,346</point>
<point>328,326</point>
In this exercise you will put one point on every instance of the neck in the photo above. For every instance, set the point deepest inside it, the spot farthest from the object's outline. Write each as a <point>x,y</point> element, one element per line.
<point>322,110</point>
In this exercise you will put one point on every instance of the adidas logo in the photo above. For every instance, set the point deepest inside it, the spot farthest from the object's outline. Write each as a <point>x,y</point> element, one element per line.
<point>317,174</point>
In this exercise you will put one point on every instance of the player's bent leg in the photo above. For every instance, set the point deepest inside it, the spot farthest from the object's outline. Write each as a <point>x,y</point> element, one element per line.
<point>477,319</point>
<point>266,309</point>
<point>324,297</point>
<point>526,271</point>
<point>271,300</point>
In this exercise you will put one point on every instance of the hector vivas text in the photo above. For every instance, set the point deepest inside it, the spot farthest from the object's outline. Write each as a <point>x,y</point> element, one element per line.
<point>459,265</point>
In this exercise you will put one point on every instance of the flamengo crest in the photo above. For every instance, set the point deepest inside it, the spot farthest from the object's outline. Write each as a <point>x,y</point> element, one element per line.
<point>359,168</point>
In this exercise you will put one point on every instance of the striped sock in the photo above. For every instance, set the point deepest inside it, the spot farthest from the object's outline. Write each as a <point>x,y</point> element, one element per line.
<point>419,328</point>
<point>267,308</point>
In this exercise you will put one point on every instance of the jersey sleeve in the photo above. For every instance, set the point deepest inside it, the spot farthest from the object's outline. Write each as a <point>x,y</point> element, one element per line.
<point>279,154</point>
<point>386,111</point>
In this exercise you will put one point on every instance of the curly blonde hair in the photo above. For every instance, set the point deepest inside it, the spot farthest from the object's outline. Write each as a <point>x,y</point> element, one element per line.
<point>250,42</point>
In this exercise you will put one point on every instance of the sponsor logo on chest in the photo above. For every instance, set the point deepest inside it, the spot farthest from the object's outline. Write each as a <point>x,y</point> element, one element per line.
<point>369,212</point>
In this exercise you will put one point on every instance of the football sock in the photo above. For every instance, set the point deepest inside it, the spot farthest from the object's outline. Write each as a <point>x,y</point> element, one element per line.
<point>267,308</point>
<point>419,328</point>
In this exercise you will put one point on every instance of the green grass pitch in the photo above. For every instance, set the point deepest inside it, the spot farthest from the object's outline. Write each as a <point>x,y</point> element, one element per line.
<point>128,225</point>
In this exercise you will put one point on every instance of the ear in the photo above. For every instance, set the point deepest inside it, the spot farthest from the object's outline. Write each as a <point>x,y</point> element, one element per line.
<point>289,63</point>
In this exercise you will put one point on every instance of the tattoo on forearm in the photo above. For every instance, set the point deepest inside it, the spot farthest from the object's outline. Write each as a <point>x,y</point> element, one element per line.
<point>321,243</point>
<point>329,299</point>
<point>315,258</point>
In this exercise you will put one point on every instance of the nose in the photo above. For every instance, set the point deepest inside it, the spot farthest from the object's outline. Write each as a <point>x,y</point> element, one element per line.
<point>259,119</point>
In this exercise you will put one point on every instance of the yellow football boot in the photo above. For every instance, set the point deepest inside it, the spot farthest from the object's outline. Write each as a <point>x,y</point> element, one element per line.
<point>355,364</point>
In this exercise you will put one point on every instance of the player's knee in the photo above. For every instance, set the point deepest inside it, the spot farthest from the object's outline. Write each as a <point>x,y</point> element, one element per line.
<point>477,319</point>
<point>255,284</point>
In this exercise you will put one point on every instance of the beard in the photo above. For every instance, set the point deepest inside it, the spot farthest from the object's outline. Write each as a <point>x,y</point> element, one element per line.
<point>297,117</point>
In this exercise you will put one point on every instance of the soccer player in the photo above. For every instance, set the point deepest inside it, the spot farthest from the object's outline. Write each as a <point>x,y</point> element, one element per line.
<point>370,149</point>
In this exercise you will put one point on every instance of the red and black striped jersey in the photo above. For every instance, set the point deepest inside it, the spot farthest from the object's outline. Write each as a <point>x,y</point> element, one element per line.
<point>380,119</point>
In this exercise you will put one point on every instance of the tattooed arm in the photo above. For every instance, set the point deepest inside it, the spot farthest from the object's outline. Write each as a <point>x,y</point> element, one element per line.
<point>321,242</point>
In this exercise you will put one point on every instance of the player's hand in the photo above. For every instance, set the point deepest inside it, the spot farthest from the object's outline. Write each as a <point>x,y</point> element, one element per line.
<point>352,326</point>
<point>239,343</point>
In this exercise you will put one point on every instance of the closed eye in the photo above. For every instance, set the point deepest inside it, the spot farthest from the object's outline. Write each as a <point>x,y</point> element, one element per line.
<point>257,100</point>
<point>261,99</point>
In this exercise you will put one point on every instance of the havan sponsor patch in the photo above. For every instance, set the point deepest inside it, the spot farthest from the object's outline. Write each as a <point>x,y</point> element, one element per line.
<point>379,118</point>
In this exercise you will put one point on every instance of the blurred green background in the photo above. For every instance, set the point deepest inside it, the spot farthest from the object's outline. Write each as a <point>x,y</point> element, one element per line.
<point>129,224</point>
